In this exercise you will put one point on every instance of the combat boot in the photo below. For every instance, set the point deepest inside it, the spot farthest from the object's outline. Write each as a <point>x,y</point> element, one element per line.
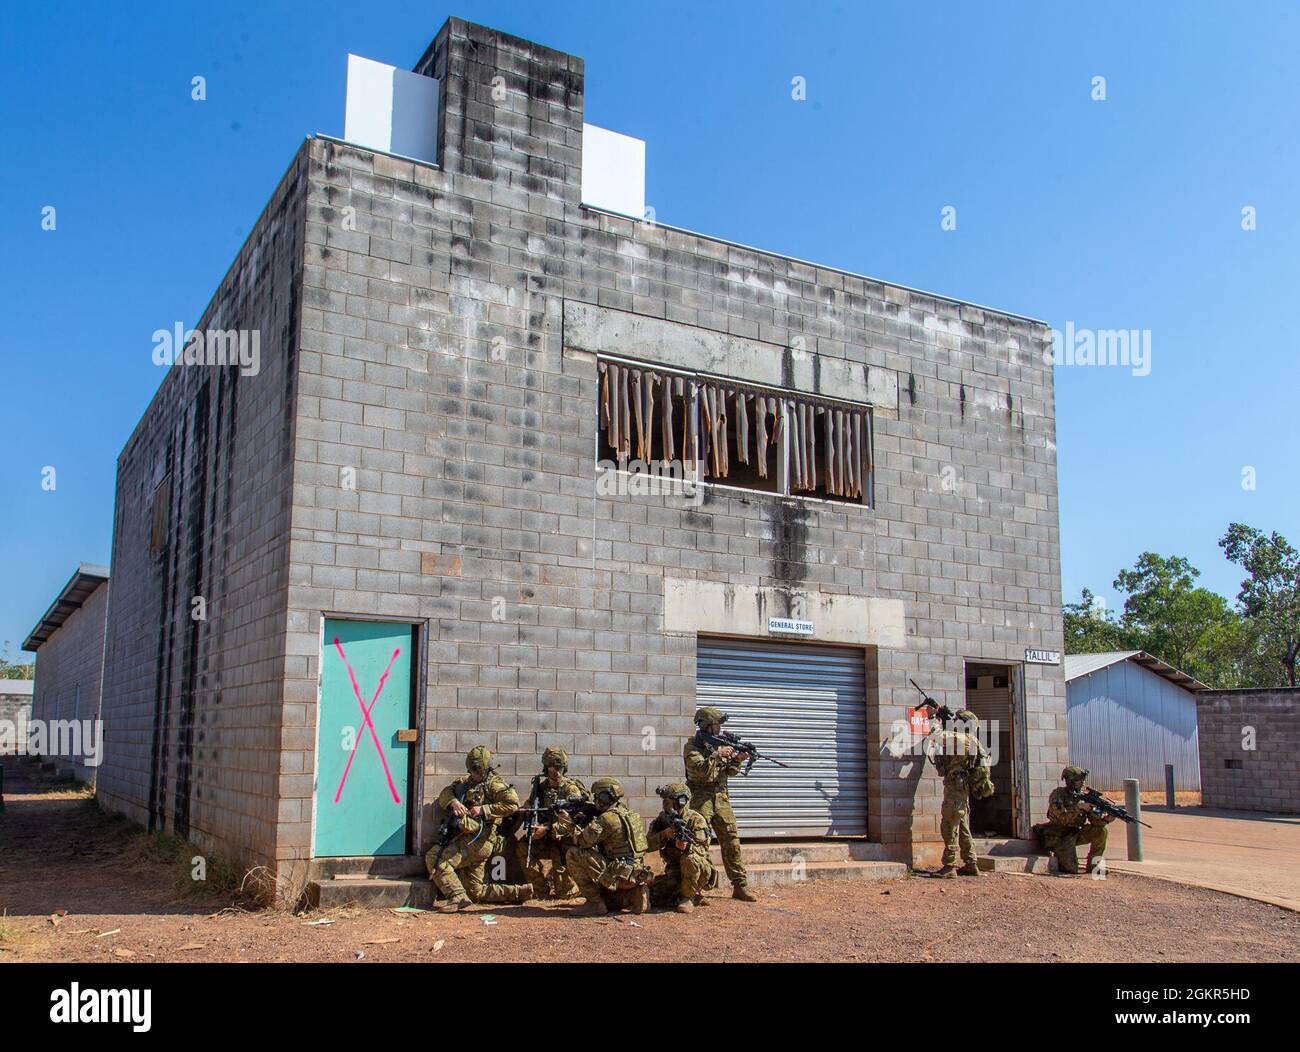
<point>640,898</point>
<point>455,905</point>
<point>947,872</point>
<point>594,907</point>
<point>700,900</point>
<point>971,870</point>
<point>684,906</point>
<point>527,892</point>
<point>743,893</point>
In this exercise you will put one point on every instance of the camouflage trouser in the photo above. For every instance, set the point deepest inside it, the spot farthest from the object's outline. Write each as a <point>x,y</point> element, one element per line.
<point>465,859</point>
<point>594,873</point>
<point>559,885</point>
<point>715,806</point>
<point>954,825</point>
<point>1064,840</point>
<point>684,878</point>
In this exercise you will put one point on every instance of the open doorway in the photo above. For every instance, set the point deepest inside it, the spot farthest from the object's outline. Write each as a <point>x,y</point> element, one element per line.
<point>991,695</point>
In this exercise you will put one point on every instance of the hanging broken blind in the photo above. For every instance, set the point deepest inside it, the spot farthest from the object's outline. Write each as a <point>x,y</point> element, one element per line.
<point>738,436</point>
<point>829,448</point>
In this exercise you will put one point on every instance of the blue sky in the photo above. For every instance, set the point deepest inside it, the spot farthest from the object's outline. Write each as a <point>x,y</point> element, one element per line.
<point>1117,214</point>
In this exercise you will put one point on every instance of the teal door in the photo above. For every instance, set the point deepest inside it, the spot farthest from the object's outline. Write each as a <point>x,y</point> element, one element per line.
<point>361,767</point>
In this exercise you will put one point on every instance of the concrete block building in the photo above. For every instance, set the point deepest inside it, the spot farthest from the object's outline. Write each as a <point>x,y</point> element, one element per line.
<point>419,523</point>
<point>1249,742</point>
<point>68,642</point>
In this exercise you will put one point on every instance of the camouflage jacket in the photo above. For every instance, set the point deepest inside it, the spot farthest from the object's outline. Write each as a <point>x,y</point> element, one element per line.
<point>1064,810</point>
<point>661,837</point>
<point>705,769</point>
<point>616,833</point>
<point>955,754</point>
<point>544,794</point>
<point>495,795</point>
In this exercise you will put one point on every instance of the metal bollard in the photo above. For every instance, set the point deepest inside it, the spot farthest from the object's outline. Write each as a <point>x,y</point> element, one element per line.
<point>1133,803</point>
<point>1170,802</point>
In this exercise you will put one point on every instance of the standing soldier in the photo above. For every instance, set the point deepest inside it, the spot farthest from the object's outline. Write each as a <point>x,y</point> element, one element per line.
<point>548,843</point>
<point>476,803</point>
<point>707,771</point>
<point>608,854</point>
<point>682,838</point>
<point>1071,821</point>
<point>960,759</point>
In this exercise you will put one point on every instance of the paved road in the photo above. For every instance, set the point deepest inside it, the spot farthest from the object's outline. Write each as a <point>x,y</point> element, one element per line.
<point>1250,853</point>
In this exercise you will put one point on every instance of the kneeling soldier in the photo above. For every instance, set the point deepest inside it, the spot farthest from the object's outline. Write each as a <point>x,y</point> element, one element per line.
<point>1070,822</point>
<point>476,803</point>
<point>707,771</point>
<point>607,858</point>
<point>550,840</point>
<point>682,838</point>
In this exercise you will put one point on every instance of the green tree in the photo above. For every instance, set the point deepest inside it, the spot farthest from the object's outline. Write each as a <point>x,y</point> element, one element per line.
<point>1167,614</point>
<point>15,669</point>
<point>1270,595</point>
<point>1091,629</point>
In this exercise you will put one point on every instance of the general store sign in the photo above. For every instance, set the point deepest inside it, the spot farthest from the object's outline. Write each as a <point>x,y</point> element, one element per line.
<point>790,627</point>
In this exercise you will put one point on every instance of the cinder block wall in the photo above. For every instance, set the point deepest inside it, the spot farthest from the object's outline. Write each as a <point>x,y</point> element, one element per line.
<point>434,364</point>
<point>69,676</point>
<point>15,712</point>
<point>1265,778</point>
<point>193,708</point>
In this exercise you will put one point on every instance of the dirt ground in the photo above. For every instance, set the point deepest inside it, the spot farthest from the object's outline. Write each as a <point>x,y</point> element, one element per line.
<point>128,897</point>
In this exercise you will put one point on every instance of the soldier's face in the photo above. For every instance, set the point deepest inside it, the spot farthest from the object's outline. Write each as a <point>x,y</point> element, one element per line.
<point>477,775</point>
<point>553,775</point>
<point>713,728</point>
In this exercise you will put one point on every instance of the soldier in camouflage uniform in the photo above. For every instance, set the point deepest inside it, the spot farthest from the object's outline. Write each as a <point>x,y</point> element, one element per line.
<point>607,858</point>
<point>689,871</point>
<point>955,755</point>
<point>1071,822</point>
<point>548,846</point>
<point>487,800</point>
<point>707,771</point>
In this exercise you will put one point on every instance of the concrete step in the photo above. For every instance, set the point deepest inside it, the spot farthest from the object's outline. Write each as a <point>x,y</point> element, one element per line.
<point>370,892</point>
<point>1017,863</point>
<point>758,853</point>
<point>769,873</point>
<point>366,865</point>
<point>1003,846</point>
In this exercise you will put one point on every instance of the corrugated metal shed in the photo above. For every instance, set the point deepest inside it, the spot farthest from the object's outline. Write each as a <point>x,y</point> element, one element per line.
<point>1130,714</point>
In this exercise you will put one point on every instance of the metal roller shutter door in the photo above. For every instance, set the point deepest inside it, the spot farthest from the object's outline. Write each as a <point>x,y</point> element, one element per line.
<point>805,705</point>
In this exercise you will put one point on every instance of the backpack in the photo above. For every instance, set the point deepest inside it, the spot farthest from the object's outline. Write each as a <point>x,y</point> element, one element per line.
<point>981,785</point>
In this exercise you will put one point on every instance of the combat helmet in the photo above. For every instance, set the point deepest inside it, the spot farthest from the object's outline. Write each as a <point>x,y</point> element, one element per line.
<point>677,792</point>
<point>555,757</point>
<point>606,792</point>
<point>708,714</point>
<point>478,760</point>
<point>1074,773</point>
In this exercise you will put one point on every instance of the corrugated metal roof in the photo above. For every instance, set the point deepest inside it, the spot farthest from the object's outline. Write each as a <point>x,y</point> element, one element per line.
<point>80,587</point>
<point>1077,665</point>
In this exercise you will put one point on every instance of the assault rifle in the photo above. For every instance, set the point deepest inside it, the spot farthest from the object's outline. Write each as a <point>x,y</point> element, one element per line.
<point>945,714</point>
<point>1106,807</point>
<point>529,818</point>
<point>452,824</point>
<point>681,831</point>
<point>747,749</point>
<point>578,808</point>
